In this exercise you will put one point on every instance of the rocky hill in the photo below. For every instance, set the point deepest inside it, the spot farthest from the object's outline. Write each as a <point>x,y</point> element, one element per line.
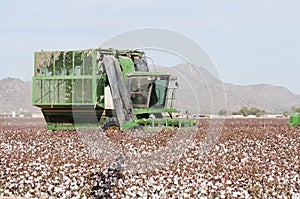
<point>199,92</point>
<point>15,95</point>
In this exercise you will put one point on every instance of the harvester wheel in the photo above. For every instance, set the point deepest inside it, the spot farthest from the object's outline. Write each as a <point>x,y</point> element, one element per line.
<point>111,125</point>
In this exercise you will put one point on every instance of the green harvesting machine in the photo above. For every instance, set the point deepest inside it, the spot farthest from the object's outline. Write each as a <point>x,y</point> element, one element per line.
<point>103,88</point>
<point>295,119</point>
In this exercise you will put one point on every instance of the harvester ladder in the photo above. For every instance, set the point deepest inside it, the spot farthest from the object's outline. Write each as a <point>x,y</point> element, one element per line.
<point>120,94</point>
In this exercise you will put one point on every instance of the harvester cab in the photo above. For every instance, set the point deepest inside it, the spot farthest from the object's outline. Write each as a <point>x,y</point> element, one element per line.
<point>103,87</point>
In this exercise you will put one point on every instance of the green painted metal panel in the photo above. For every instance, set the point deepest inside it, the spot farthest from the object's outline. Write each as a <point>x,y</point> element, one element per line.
<point>154,110</point>
<point>68,90</point>
<point>127,66</point>
<point>295,119</point>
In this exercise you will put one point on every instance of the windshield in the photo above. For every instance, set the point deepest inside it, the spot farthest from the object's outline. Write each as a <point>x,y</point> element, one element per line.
<point>148,91</point>
<point>141,64</point>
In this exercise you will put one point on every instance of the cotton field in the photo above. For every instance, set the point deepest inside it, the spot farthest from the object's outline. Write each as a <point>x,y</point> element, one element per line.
<point>248,158</point>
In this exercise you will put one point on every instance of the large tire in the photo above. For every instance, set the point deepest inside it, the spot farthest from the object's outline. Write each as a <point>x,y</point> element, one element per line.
<point>111,124</point>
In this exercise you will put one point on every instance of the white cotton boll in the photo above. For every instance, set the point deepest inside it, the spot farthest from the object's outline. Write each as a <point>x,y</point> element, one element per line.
<point>176,181</point>
<point>222,192</point>
<point>235,194</point>
<point>58,189</point>
<point>244,160</point>
<point>203,191</point>
<point>76,195</point>
<point>228,182</point>
<point>210,184</point>
<point>74,187</point>
<point>270,179</point>
<point>246,194</point>
<point>7,192</point>
<point>28,195</point>
<point>155,196</point>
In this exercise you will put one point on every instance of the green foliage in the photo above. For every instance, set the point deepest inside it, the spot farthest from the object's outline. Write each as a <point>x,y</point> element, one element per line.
<point>252,111</point>
<point>244,111</point>
<point>285,113</point>
<point>257,112</point>
<point>223,112</point>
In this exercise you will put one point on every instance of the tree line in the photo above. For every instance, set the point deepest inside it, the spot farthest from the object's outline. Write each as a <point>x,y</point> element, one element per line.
<point>245,111</point>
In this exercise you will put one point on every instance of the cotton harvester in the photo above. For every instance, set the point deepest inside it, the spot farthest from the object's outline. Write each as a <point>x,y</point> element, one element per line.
<point>103,87</point>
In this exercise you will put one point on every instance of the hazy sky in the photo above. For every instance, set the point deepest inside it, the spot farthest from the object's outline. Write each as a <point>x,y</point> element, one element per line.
<point>250,41</point>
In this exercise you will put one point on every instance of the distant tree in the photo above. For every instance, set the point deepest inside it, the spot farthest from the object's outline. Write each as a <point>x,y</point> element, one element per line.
<point>285,113</point>
<point>235,113</point>
<point>252,111</point>
<point>223,112</point>
<point>244,111</point>
<point>257,112</point>
<point>296,109</point>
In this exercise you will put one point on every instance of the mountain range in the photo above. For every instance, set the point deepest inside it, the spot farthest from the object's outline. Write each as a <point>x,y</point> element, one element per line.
<point>198,92</point>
